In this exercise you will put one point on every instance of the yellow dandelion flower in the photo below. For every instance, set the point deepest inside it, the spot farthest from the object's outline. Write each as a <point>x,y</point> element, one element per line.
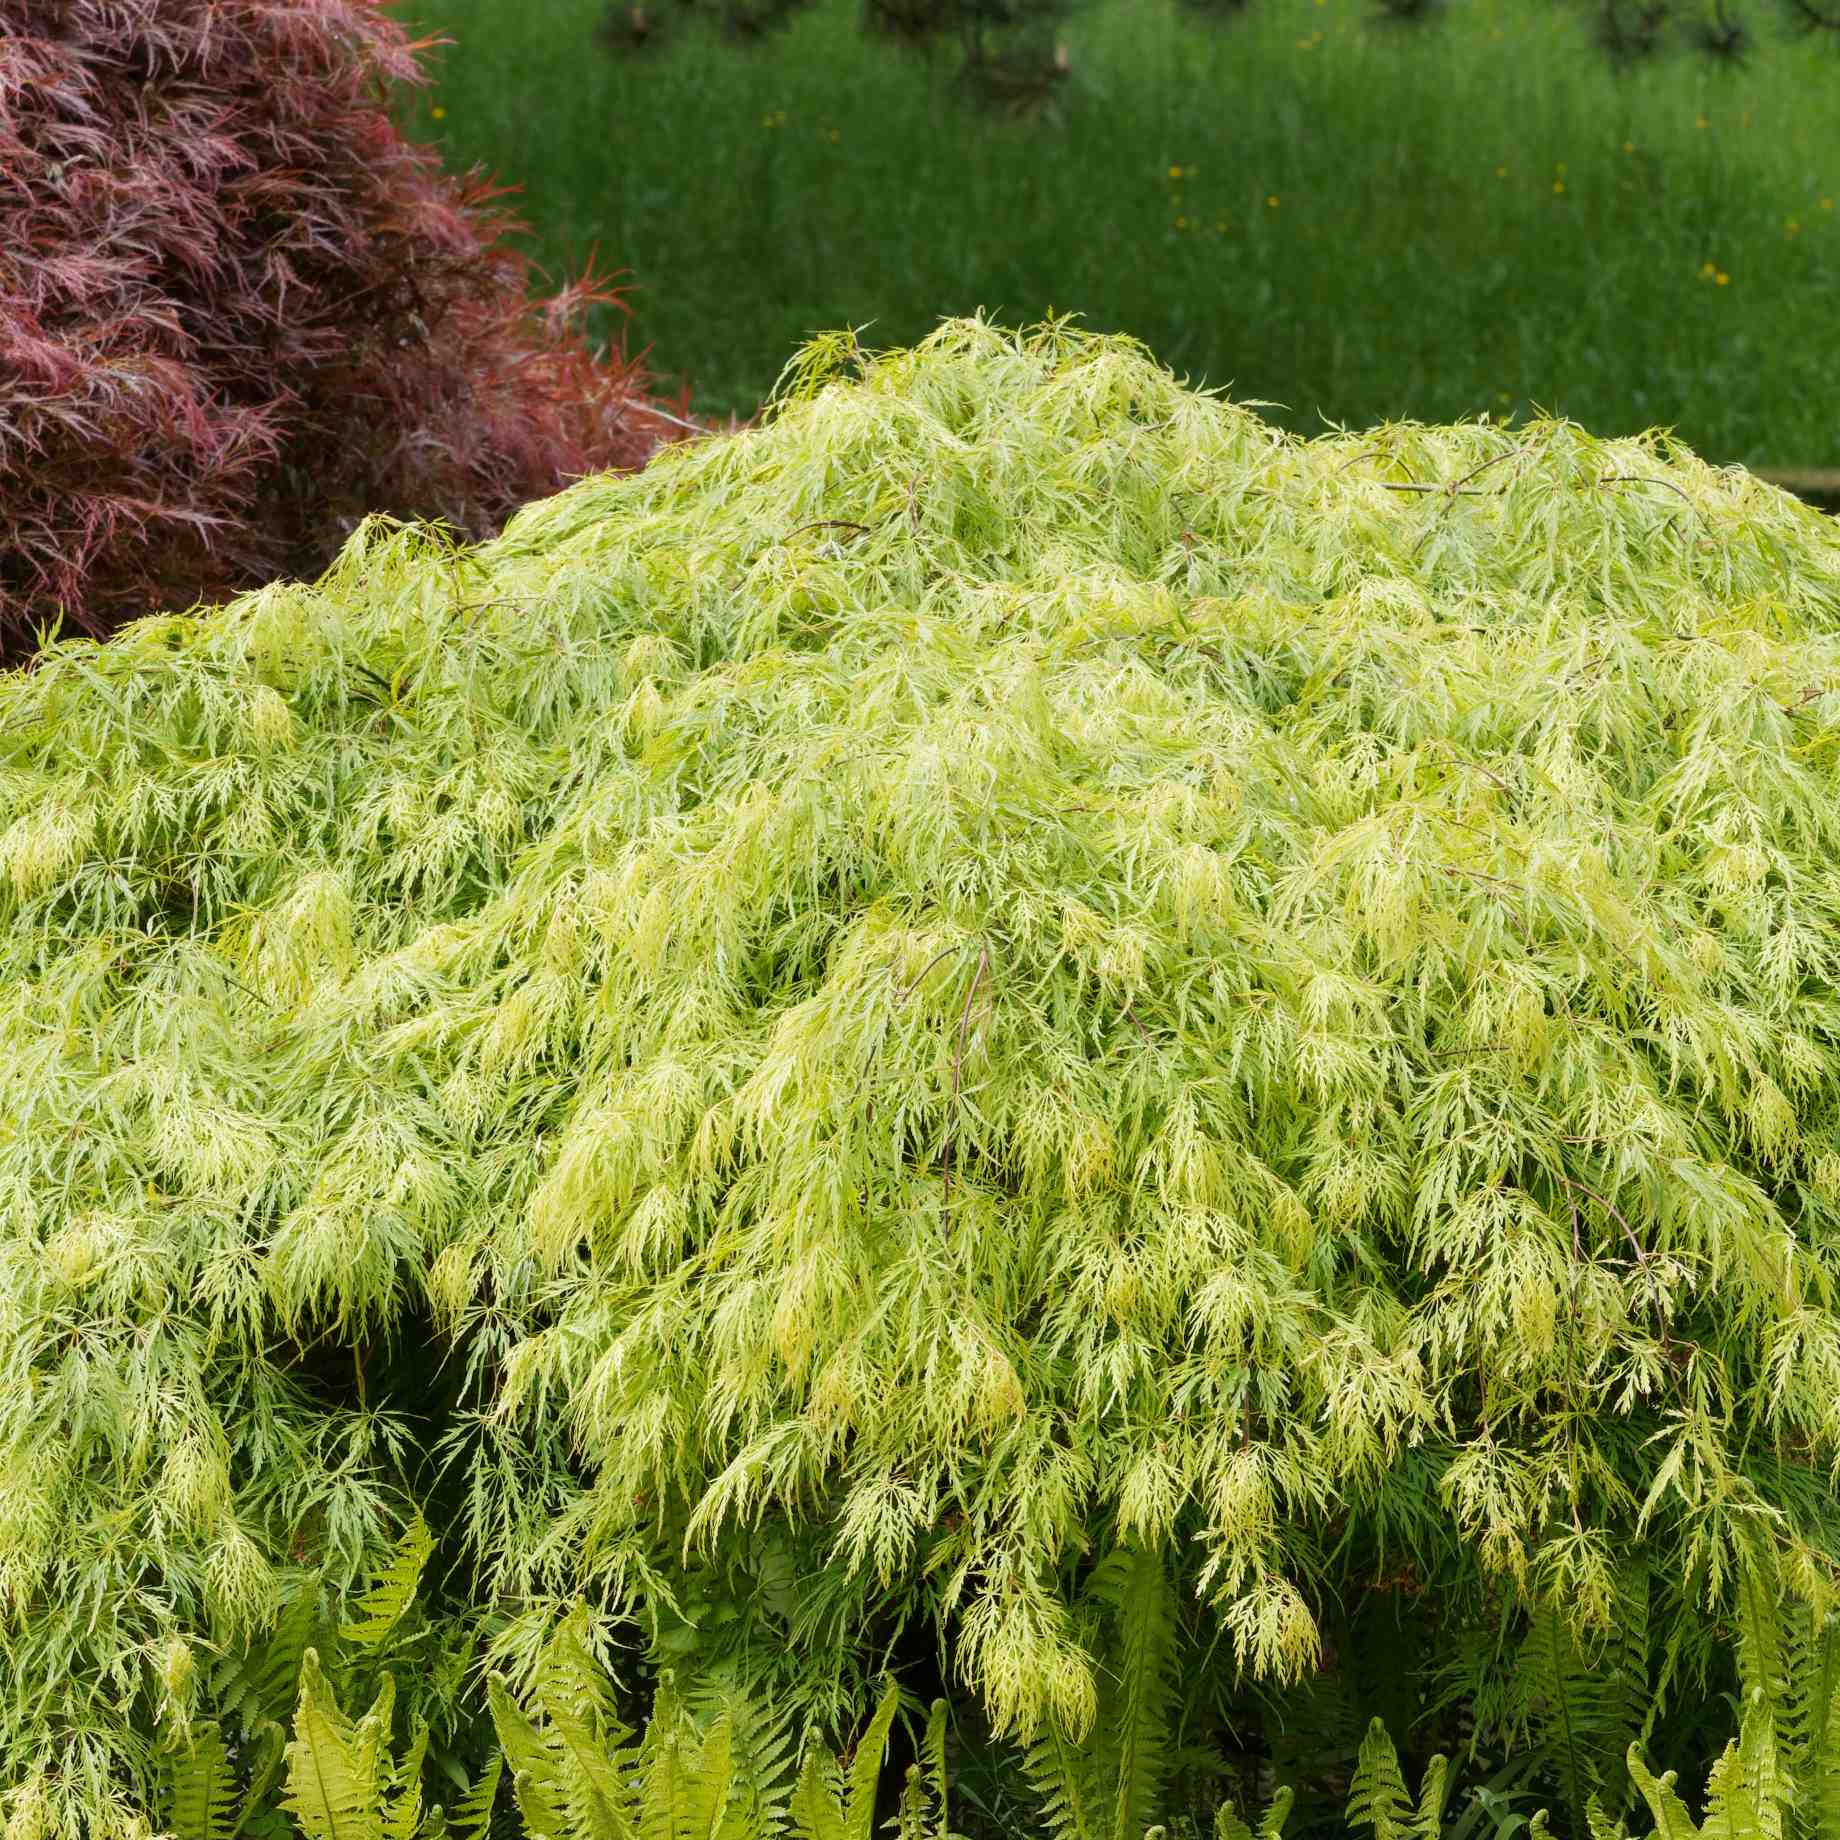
<point>1721,277</point>
<point>1272,200</point>
<point>439,113</point>
<point>1501,172</point>
<point>1558,185</point>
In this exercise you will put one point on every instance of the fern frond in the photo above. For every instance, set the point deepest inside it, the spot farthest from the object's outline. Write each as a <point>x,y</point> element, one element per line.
<point>382,1607</point>
<point>1070,1782</point>
<point>1672,1821</point>
<point>1428,1818</point>
<point>1745,1790</point>
<point>712,1783</point>
<point>535,1774</point>
<point>933,1758</point>
<point>472,1815</point>
<point>584,1737</point>
<point>260,1682</point>
<point>914,1818</point>
<point>1808,1722</point>
<point>1763,1646</point>
<point>762,1750</point>
<point>1377,1795</point>
<point>865,1772</point>
<point>1816,1804</point>
<point>1626,1703</point>
<point>1230,1824</point>
<point>1562,1697</point>
<point>1277,1812</point>
<point>200,1788</point>
<point>1597,1824</point>
<point>669,1798</point>
<point>817,1805</point>
<point>402,1818</point>
<point>336,1766</point>
<point>1133,1584</point>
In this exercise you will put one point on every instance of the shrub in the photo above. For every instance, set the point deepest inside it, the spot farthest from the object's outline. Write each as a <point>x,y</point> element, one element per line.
<point>238,311</point>
<point>1012,1013</point>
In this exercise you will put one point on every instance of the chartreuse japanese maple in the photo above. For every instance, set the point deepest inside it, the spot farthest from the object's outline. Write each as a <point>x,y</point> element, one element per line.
<point>1009,987</point>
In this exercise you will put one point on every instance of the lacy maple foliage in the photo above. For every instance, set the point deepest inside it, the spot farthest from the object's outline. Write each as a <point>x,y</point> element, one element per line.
<point>239,310</point>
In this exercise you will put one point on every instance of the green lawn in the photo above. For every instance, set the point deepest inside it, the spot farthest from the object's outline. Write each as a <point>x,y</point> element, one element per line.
<point>1352,221</point>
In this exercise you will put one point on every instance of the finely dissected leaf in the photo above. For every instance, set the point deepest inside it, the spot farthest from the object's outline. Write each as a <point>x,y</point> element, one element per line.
<point>197,387</point>
<point>1011,963</point>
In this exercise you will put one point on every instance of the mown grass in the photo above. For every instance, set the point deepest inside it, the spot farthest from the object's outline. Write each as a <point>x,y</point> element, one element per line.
<point>1354,222</point>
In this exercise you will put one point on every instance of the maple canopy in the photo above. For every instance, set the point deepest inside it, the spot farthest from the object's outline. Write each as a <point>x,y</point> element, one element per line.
<point>1012,963</point>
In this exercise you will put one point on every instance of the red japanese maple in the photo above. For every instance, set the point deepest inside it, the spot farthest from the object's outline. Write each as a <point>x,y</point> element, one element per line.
<point>238,310</point>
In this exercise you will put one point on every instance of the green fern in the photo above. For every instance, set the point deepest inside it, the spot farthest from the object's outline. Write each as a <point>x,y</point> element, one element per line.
<point>1587,1710</point>
<point>835,1802</point>
<point>471,1818</point>
<point>338,1768</point>
<point>1789,1662</point>
<point>1377,1796</point>
<point>382,1607</point>
<point>587,1740</point>
<point>259,1683</point>
<point>536,1774</point>
<point>1109,1784</point>
<point>818,1805</point>
<point>201,1788</point>
<point>1069,1779</point>
<point>924,1811</point>
<point>1133,1584</point>
<point>762,1747</point>
<point>1747,1788</point>
<point>1672,1821</point>
<point>1230,1824</point>
<point>688,1775</point>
